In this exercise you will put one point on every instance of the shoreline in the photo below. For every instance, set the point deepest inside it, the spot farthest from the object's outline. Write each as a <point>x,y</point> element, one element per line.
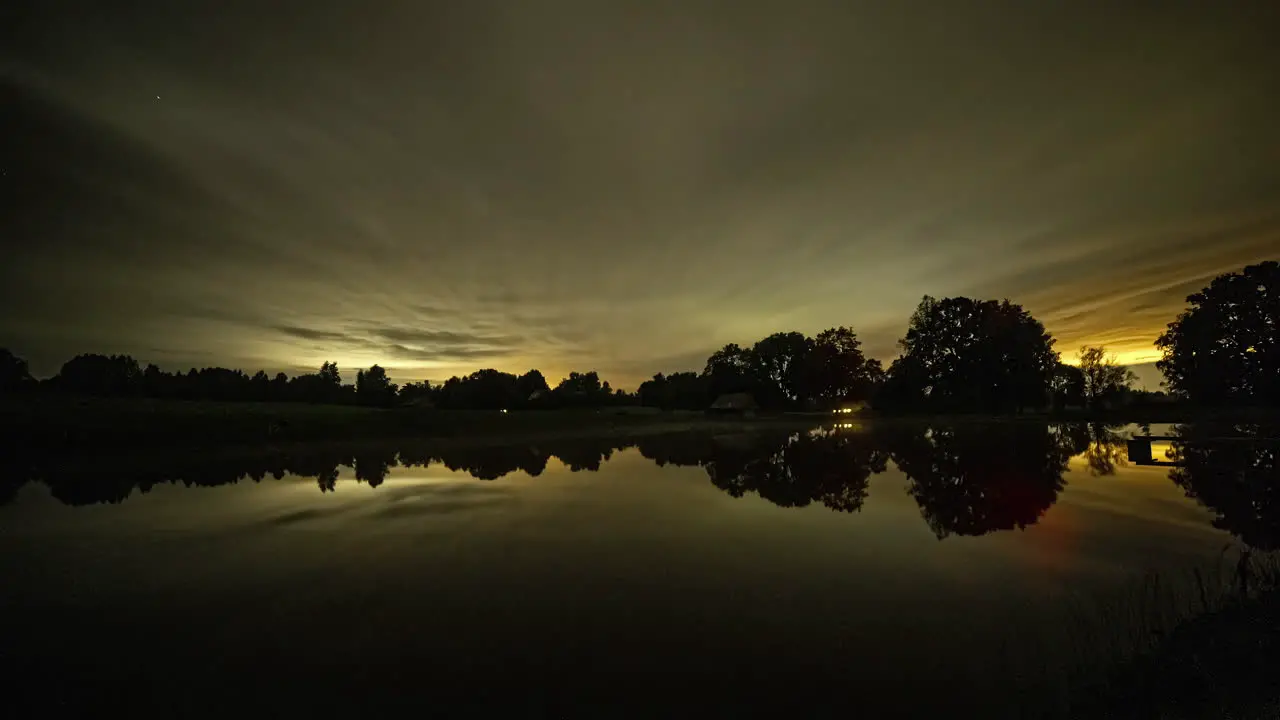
<point>72,424</point>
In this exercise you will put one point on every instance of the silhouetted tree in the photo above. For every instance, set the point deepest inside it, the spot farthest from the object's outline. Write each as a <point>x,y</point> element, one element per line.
<point>677,391</point>
<point>532,386</point>
<point>329,373</point>
<point>15,376</point>
<point>106,375</point>
<point>1067,386</point>
<point>839,372</point>
<point>1104,379</point>
<point>582,390</point>
<point>374,388</point>
<point>1235,479</point>
<point>157,383</point>
<point>972,479</point>
<point>729,370</point>
<point>1225,348</point>
<point>970,355</point>
<point>486,389</point>
<point>260,386</point>
<point>322,387</point>
<point>280,387</point>
<point>782,363</point>
<point>415,393</point>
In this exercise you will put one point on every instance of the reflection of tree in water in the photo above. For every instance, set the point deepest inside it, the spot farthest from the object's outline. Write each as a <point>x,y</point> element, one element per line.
<point>787,470</point>
<point>1101,445</point>
<point>373,467</point>
<point>84,481</point>
<point>679,449</point>
<point>972,479</point>
<point>1239,480</point>
<point>491,463</point>
<point>586,454</point>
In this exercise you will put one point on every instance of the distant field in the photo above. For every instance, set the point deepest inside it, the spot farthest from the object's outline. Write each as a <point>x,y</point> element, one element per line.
<point>104,423</point>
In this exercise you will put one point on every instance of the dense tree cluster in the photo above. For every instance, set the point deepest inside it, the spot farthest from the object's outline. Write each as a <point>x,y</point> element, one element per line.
<point>964,355</point>
<point>786,370</point>
<point>1225,348</point>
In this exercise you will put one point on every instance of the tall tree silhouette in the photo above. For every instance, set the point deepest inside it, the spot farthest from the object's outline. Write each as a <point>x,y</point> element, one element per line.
<point>531,386</point>
<point>970,355</point>
<point>1104,379</point>
<point>374,388</point>
<point>1225,348</point>
<point>781,362</point>
<point>839,372</point>
<point>729,370</point>
<point>1067,386</point>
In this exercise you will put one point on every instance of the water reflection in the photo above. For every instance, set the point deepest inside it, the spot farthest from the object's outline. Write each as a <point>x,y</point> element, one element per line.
<point>1101,446</point>
<point>967,479</point>
<point>1235,472</point>
<point>975,479</point>
<point>829,468</point>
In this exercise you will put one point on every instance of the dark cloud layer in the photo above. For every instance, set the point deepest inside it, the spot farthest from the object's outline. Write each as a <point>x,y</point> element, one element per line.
<point>438,186</point>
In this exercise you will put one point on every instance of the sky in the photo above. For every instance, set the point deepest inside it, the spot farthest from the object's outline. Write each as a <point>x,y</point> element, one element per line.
<point>622,186</point>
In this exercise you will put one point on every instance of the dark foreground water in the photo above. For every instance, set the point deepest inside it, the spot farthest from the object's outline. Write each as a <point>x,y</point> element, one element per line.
<point>847,571</point>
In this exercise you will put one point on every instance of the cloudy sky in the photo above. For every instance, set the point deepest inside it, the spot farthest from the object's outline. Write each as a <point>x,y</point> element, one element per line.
<point>614,184</point>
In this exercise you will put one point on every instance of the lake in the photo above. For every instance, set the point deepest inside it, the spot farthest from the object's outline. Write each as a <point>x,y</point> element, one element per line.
<point>897,571</point>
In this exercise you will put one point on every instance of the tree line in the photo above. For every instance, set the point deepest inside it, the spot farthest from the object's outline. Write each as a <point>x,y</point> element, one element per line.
<point>122,376</point>
<point>958,355</point>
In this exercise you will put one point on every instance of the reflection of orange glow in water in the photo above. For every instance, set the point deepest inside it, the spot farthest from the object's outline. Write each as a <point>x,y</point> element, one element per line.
<point>1053,538</point>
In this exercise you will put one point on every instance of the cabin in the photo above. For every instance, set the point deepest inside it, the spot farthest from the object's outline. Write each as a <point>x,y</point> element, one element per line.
<point>734,404</point>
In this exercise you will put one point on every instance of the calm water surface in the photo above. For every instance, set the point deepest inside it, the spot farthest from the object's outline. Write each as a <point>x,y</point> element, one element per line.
<point>897,572</point>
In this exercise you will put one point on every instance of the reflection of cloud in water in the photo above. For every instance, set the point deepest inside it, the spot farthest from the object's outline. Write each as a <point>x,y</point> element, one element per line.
<point>301,516</point>
<point>398,499</point>
<point>432,508</point>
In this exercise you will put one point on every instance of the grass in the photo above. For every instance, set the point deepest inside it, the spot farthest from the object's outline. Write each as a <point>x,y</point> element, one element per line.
<point>1168,645</point>
<point>1202,647</point>
<point>1176,646</point>
<point>101,423</point>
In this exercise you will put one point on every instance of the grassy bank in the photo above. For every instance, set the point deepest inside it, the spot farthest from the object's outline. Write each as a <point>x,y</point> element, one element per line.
<point>1200,646</point>
<point>98,423</point>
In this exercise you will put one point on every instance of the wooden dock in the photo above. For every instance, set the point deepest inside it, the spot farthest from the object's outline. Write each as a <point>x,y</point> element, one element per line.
<point>1139,446</point>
